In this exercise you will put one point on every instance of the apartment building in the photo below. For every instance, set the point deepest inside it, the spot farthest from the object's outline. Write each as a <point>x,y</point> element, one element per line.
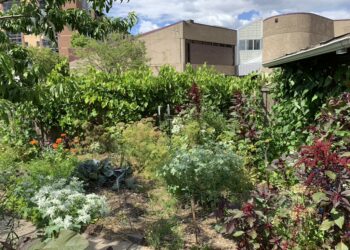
<point>63,38</point>
<point>187,42</point>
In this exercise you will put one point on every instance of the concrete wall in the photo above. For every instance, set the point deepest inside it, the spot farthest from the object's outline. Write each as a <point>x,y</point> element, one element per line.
<point>206,33</point>
<point>165,46</point>
<point>341,27</point>
<point>32,40</point>
<point>168,46</point>
<point>289,33</point>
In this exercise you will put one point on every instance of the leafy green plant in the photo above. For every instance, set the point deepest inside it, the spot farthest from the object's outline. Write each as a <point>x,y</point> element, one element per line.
<point>205,173</point>
<point>117,53</point>
<point>145,147</point>
<point>64,205</point>
<point>102,173</point>
<point>54,163</point>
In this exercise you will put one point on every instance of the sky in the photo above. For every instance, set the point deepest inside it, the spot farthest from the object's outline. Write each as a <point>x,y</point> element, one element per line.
<point>154,14</point>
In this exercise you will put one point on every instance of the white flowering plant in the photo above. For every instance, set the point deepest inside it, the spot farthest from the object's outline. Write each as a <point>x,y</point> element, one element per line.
<point>66,206</point>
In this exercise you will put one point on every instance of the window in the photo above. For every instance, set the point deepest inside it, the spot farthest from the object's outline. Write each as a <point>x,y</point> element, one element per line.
<point>250,44</point>
<point>242,44</point>
<point>46,43</point>
<point>257,45</point>
<point>7,6</point>
<point>38,43</point>
<point>15,38</point>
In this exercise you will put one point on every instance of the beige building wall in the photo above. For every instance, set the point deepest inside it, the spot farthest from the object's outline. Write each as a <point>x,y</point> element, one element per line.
<point>184,42</point>
<point>207,33</point>
<point>341,27</point>
<point>289,33</point>
<point>32,40</point>
<point>165,46</point>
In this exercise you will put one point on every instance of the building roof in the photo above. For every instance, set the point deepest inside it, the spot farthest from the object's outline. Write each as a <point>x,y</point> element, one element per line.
<point>183,21</point>
<point>329,46</point>
<point>298,13</point>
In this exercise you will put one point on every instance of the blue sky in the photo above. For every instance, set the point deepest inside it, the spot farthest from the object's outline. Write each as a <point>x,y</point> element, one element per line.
<point>227,13</point>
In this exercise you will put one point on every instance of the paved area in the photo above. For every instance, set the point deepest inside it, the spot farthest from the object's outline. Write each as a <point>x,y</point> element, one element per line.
<point>26,230</point>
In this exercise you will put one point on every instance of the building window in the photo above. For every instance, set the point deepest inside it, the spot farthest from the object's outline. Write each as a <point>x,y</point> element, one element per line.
<point>250,44</point>
<point>15,38</point>
<point>257,45</point>
<point>242,44</point>
<point>46,43</point>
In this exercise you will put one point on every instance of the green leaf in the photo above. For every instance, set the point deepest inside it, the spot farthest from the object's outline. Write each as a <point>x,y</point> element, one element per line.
<point>331,175</point>
<point>346,154</point>
<point>320,196</point>
<point>340,222</point>
<point>341,246</point>
<point>238,233</point>
<point>253,234</point>
<point>326,225</point>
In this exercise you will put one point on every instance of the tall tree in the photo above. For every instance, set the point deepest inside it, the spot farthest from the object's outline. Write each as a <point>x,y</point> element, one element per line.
<point>114,54</point>
<point>48,17</point>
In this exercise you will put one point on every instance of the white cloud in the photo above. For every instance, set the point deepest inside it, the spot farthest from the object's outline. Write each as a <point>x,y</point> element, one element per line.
<point>224,13</point>
<point>146,26</point>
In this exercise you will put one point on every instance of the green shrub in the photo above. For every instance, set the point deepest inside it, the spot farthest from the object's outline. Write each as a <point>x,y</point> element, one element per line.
<point>56,164</point>
<point>8,157</point>
<point>205,173</point>
<point>146,148</point>
<point>189,129</point>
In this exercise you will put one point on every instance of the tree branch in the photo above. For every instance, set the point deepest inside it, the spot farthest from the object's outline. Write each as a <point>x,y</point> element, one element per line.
<point>11,17</point>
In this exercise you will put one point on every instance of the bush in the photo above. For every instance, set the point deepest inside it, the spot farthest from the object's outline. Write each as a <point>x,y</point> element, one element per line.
<point>146,148</point>
<point>65,206</point>
<point>55,164</point>
<point>205,173</point>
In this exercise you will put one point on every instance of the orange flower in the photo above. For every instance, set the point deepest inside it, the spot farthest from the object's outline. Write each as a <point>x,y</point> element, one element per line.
<point>63,135</point>
<point>55,146</point>
<point>34,142</point>
<point>59,140</point>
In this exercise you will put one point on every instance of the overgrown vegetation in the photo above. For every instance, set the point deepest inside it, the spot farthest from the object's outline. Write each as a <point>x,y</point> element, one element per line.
<point>272,180</point>
<point>117,53</point>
